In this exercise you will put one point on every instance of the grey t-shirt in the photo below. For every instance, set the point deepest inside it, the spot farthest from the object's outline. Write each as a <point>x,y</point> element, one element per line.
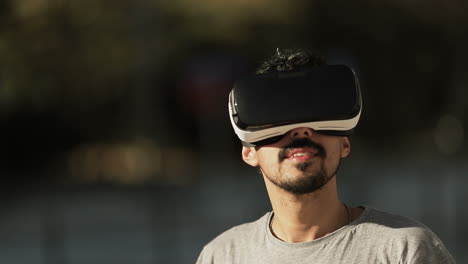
<point>374,237</point>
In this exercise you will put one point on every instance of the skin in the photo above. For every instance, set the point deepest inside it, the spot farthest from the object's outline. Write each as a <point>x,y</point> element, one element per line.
<point>303,217</point>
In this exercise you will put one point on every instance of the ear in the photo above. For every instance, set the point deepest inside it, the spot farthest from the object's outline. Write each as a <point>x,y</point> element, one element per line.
<point>345,147</point>
<point>249,155</point>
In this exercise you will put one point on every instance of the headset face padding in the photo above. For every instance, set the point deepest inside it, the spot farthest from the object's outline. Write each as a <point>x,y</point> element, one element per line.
<point>264,107</point>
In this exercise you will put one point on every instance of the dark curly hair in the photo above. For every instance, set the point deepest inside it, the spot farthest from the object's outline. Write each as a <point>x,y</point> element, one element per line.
<point>290,59</point>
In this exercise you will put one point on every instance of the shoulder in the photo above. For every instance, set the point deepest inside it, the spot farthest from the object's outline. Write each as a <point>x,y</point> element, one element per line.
<point>388,220</point>
<point>411,240</point>
<point>396,226</point>
<point>239,238</point>
<point>240,233</point>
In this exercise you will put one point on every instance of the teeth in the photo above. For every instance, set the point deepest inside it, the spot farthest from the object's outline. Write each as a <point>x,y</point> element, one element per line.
<point>299,154</point>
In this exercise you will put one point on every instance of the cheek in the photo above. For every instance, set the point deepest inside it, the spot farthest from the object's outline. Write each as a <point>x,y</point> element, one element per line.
<point>267,160</point>
<point>334,154</point>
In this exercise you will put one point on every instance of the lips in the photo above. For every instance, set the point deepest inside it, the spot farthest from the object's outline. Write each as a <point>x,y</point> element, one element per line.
<point>301,149</point>
<point>301,153</point>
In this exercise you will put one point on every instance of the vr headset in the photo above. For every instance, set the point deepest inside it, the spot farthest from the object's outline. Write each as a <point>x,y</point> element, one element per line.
<point>264,107</point>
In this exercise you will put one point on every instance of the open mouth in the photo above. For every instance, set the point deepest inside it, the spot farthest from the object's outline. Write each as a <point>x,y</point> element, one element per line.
<point>301,150</point>
<point>301,154</point>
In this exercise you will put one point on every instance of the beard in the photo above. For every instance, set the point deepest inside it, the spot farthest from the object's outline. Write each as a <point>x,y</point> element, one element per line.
<point>312,179</point>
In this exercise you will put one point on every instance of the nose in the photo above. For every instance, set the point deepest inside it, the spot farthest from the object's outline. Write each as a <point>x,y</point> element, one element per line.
<point>301,132</point>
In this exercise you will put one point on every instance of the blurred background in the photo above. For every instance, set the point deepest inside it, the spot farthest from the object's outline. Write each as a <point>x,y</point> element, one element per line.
<point>116,145</point>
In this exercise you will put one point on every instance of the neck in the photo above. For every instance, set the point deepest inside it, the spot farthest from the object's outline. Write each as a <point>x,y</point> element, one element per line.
<point>306,217</point>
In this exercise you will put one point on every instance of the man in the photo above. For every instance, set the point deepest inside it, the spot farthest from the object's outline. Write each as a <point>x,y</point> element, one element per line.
<point>294,119</point>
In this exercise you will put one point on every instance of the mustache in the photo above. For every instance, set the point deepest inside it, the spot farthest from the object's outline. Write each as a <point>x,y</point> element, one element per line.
<point>301,143</point>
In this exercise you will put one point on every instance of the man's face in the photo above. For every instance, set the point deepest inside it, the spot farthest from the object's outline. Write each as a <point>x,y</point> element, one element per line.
<point>301,162</point>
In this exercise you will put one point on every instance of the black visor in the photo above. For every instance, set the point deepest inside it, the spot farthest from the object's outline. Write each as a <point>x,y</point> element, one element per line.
<point>326,98</point>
